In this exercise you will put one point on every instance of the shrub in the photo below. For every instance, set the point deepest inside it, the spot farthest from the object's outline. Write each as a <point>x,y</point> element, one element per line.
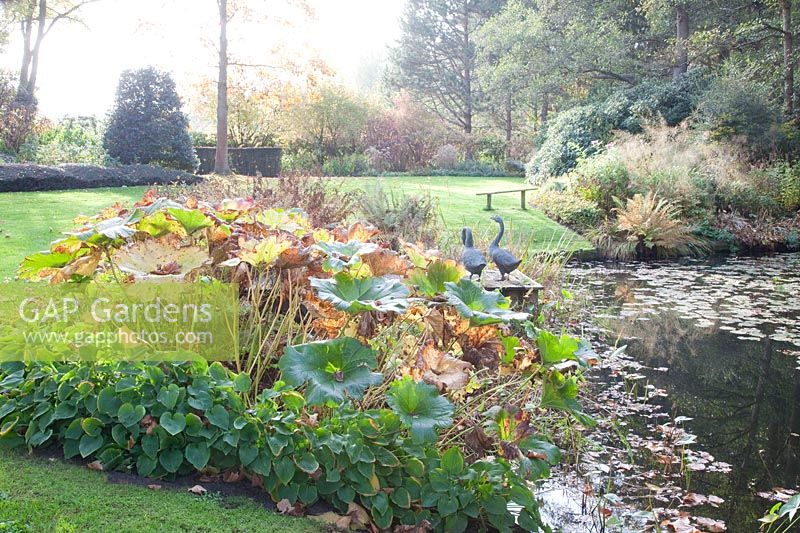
<point>73,140</point>
<point>299,162</point>
<point>655,101</point>
<point>677,164</point>
<point>146,124</point>
<point>646,227</point>
<point>407,135</point>
<point>735,106</point>
<point>18,118</point>
<point>568,208</point>
<point>573,134</point>
<point>789,185</point>
<point>328,122</point>
<point>346,165</point>
<point>470,168</point>
<point>445,158</point>
<point>407,216</point>
<point>760,233</point>
<point>600,179</point>
<point>377,160</point>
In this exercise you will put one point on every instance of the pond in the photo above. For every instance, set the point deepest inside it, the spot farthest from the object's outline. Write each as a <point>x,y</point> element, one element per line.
<point>710,374</point>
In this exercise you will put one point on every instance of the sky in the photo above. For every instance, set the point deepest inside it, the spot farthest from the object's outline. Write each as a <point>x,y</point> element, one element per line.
<point>80,64</point>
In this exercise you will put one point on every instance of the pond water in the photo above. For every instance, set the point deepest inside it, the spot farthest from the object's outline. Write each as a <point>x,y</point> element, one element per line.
<point>711,363</point>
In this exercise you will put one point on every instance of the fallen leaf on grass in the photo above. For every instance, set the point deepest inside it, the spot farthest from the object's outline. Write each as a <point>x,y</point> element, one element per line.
<point>198,490</point>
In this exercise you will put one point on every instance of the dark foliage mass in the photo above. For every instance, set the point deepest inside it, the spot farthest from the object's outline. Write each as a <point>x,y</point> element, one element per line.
<point>18,178</point>
<point>146,124</point>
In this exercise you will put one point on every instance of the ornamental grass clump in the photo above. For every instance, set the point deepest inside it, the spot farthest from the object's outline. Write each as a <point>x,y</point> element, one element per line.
<point>371,375</point>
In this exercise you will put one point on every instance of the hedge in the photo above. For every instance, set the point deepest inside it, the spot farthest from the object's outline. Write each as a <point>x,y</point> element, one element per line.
<point>25,177</point>
<point>245,161</point>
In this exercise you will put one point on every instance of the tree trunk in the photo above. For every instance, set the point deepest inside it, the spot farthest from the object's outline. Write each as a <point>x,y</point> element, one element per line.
<point>544,109</point>
<point>508,127</point>
<point>34,70</point>
<point>468,63</point>
<point>221,157</point>
<point>788,56</point>
<point>681,42</point>
<point>27,32</point>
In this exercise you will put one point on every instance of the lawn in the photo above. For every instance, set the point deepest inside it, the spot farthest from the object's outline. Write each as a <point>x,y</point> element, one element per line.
<point>39,494</point>
<point>30,221</point>
<point>529,229</point>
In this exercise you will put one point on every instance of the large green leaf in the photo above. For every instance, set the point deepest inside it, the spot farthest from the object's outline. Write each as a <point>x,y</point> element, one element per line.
<point>342,255</point>
<point>431,280</point>
<point>420,407</point>
<point>554,349</point>
<point>367,294</point>
<point>334,369</point>
<point>192,220</point>
<point>479,306</point>
<point>560,392</point>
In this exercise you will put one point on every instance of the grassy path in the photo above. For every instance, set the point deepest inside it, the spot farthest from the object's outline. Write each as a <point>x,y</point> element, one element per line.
<point>38,494</point>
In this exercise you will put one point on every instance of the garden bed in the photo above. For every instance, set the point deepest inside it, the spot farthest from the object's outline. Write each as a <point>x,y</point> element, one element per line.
<point>26,177</point>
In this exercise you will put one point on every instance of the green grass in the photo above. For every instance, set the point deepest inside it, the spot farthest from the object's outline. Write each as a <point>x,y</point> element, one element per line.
<point>38,494</point>
<point>530,229</point>
<point>29,221</point>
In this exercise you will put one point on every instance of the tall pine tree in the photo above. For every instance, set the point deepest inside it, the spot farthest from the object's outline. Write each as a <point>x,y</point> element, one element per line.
<point>435,58</point>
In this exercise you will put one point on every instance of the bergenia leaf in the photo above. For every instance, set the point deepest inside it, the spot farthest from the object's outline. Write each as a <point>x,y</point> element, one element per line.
<point>365,294</point>
<point>334,369</point>
<point>479,306</point>
<point>420,408</point>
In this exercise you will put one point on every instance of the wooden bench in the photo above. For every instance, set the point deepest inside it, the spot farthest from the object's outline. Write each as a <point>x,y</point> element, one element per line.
<point>521,192</point>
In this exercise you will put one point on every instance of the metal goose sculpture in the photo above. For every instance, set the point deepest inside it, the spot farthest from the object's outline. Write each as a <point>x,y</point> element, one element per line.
<point>506,261</point>
<point>472,259</point>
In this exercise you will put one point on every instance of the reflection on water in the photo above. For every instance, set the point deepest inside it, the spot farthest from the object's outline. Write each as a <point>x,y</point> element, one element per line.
<point>722,339</point>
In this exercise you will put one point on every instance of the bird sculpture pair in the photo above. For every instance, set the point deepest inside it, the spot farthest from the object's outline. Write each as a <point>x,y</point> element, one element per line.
<point>474,260</point>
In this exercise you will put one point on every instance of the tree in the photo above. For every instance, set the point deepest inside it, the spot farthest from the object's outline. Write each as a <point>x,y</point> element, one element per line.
<point>36,19</point>
<point>435,58</point>
<point>221,165</point>
<point>146,124</point>
<point>328,122</point>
